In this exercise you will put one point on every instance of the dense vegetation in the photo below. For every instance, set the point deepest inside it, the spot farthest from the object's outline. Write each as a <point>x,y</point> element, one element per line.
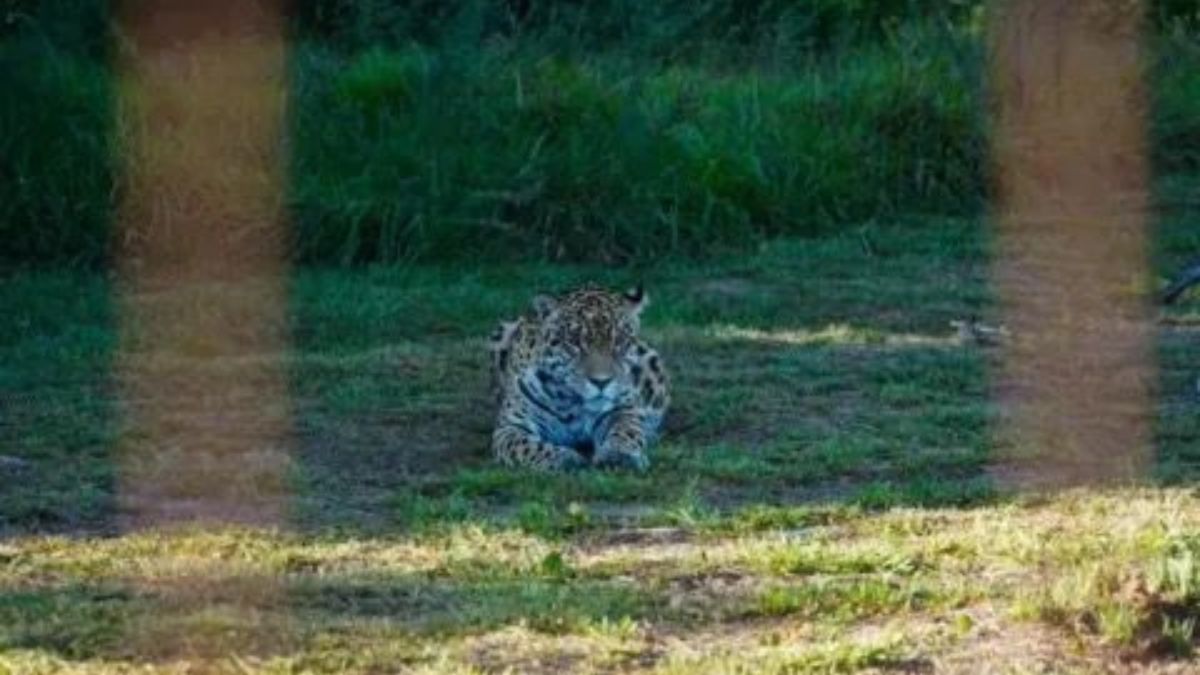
<point>606,131</point>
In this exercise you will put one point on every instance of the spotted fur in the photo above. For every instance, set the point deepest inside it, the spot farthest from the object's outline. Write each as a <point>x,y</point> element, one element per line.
<point>575,385</point>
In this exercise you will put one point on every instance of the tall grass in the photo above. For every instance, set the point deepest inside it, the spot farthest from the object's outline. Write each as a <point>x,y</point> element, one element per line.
<point>607,130</point>
<point>1176,93</point>
<point>56,116</point>
<point>667,29</point>
<point>417,152</point>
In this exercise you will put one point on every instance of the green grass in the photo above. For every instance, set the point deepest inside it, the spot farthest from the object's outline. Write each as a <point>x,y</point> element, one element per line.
<point>825,378</point>
<point>594,131</point>
<point>820,503</point>
<point>57,163</point>
<point>606,157</point>
<point>1087,576</point>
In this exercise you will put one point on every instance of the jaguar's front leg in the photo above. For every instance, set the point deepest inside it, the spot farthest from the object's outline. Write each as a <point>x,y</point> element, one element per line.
<point>620,441</point>
<point>515,446</point>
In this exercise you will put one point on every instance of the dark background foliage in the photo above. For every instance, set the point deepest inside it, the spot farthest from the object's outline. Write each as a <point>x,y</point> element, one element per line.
<point>606,130</point>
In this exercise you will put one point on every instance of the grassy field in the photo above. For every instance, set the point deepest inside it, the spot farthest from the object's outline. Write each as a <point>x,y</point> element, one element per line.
<point>800,188</point>
<point>823,500</point>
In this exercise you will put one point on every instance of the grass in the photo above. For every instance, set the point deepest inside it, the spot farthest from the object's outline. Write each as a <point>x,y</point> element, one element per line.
<point>598,132</point>
<point>748,391</point>
<point>56,162</point>
<point>821,501</point>
<point>467,598</point>
<point>608,158</point>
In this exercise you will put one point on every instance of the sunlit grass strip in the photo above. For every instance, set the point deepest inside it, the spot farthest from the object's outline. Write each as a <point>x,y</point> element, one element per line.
<point>1083,573</point>
<point>201,100</point>
<point>831,335</point>
<point>1071,181</point>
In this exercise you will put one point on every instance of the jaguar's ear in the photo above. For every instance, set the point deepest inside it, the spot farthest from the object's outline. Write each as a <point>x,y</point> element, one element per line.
<point>544,305</point>
<point>636,299</point>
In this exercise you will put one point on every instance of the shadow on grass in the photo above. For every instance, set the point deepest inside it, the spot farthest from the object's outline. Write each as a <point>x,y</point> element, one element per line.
<point>71,622</point>
<point>333,622</point>
<point>57,411</point>
<point>155,625</point>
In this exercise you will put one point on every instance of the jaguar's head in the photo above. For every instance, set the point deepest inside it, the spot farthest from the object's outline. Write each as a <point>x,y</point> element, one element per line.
<point>587,337</point>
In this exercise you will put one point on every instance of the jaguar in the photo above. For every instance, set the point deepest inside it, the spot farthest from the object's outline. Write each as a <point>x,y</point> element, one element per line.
<point>575,384</point>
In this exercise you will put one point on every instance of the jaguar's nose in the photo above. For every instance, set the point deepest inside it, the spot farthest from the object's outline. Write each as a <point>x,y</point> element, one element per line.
<point>600,382</point>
